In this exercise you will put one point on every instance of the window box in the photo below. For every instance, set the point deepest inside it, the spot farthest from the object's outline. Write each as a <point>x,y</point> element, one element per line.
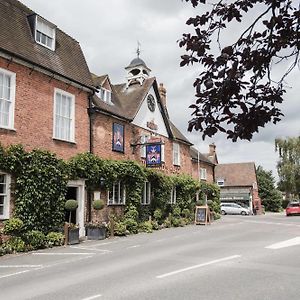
<point>96,233</point>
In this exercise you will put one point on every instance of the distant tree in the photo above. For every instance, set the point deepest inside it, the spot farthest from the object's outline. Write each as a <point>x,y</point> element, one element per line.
<point>237,91</point>
<point>289,165</point>
<point>271,197</point>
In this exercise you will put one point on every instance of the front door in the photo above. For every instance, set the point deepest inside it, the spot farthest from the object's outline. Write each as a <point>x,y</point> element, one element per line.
<point>76,191</point>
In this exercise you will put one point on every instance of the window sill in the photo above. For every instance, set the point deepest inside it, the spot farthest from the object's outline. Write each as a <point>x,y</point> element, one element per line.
<point>116,204</point>
<point>8,129</point>
<point>64,141</point>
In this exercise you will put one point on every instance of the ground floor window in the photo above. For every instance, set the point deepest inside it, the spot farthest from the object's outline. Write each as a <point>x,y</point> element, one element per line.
<point>146,199</point>
<point>117,194</point>
<point>4,195</point>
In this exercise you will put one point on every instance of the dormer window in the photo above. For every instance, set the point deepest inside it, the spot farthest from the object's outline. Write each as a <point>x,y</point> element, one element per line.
<point>104,95</point>
<point>44,33</point>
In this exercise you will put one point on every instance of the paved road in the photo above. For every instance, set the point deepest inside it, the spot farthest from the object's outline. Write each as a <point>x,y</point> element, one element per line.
<point>251,257</point>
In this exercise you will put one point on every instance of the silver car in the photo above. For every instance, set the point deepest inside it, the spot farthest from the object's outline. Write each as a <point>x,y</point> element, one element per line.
<point>233,209</point>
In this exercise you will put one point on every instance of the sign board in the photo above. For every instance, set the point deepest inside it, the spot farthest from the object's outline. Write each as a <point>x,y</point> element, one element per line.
<point>202,215</point>
<point>153,155</point>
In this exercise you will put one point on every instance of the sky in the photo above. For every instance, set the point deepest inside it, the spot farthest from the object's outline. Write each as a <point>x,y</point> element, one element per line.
<point>108,32</point>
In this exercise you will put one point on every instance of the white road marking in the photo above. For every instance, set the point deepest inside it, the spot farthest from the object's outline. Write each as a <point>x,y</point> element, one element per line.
<point>92,249</point>
<point>13,274</point>
<point>21,266</point>
<point>62,253</point>
<point>93,297</point>
<point>198,266</point>
<point>135,246</point>
<point>284,244</point>
<point>274,223</point>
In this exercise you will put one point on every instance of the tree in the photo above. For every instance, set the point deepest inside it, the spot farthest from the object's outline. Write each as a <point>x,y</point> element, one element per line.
<point>238,91</point>
<point>270,196</point>
<point>289,165</point>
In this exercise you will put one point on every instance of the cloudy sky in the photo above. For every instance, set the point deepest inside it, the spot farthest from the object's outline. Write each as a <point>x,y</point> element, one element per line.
<point>108,31</point>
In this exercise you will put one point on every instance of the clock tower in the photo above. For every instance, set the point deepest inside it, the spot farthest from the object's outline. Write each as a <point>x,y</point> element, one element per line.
<point>137,71</point>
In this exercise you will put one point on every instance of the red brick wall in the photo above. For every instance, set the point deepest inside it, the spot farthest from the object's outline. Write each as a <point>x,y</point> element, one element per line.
<point>209,171</point>
<point>34,104</point>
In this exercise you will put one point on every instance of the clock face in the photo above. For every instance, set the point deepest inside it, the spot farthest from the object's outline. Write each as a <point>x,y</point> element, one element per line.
<point>151,102</point>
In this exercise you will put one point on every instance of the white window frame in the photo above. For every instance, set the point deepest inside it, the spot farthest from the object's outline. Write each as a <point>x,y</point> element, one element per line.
<point>144,140</point>
<point>146,199</point>
<point>10,100</point>
<point>6,196</point>
<point>46,30</point>
<point>72,117</point>
<point>121,192</point>
<point>173,195</point>
<point>105,95</point>
<point>203,174</point>
<point>176,154</point>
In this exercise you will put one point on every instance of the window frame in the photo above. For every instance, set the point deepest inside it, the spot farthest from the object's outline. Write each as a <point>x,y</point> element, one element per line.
<point>203,174</point>
<point>146,199</point>
<point>173,195</point>
<point>72,116</point>
<point>36,30</point>
<point>12,98</point>
<point>6,195</point>
<point>176,154</point>
<point>121,194</point>
<point>220,182</point>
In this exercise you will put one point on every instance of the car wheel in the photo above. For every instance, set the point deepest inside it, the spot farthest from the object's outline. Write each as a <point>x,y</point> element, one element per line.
<point>223,212</point>
<point>243,213</point>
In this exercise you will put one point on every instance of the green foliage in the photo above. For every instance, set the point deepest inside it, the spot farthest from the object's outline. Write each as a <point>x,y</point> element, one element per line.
<point>34,239</point>
<point>131,212</point>
<point>158,215</point>
<point>146,227</point>
<point>13,226</point>
<point>288,166</point>
<point>176,212</point>
<point>14,244</point>
<point>55,239</point>
<point>98,204</point>
<point>186,213</point>
<point>270,196</point>
<point>119,228</point>
<point>71,205</point>
<point>131,225</point>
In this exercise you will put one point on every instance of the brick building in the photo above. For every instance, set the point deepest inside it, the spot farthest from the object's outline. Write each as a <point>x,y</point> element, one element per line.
<point>50,100</point>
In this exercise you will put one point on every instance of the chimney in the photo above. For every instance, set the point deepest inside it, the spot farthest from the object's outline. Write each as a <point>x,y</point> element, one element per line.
<point>163,94</point>
<point>212,149</point>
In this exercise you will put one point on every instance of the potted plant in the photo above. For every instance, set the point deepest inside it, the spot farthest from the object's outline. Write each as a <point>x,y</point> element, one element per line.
<point>96,230</point>
<point>73,230</point>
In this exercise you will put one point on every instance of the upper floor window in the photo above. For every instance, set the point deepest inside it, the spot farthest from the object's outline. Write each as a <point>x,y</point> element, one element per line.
<point>45,33</point>
<point>7,98</point>
<point>117,194</point>
<point>64,116</point>
<point>203,173</point>
<point>146,199</point>
<point>104,95</point>
<point>176,154</point>
<point>4,195</point>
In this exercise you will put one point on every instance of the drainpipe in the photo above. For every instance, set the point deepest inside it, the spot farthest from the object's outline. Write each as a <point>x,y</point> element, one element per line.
<point>91,112</point>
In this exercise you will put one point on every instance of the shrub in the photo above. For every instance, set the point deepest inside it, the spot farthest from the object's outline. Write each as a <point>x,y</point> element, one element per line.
<point>167,222</point>
<point>176,222</point>
<point>186,213</point>
<point>131,225</point>
<point>55,239</point>
<point>119,228</point>
<point>71,205</point>
<point>155,225</point>
<point>2,250</point>
<point>14,244</point>
<point>13,226</point>
<point>132,213</point>
<point>157,215</point>
<point>146,227</point>
<point>176,211</point>
<point>34,239</point>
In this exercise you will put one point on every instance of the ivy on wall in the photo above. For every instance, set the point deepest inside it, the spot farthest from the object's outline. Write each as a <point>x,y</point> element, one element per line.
<point>41,183</point>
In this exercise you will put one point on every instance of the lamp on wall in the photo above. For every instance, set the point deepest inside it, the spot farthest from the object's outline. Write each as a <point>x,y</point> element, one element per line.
<point>102,182</point>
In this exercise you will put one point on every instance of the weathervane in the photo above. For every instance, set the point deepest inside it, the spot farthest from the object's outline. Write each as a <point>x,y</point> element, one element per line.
<point>138,49</point>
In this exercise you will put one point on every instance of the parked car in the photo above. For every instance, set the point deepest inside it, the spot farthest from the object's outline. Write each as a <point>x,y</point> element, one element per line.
<point>293,208</point>
<point>233,209</point>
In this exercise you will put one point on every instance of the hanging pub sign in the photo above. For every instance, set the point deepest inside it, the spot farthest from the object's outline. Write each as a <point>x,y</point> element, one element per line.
<point>118,138</point>
<point>153,155</point>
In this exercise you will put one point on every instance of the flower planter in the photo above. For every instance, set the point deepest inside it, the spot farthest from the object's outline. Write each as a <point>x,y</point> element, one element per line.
<point>96,233</point>
<point>73,236</point>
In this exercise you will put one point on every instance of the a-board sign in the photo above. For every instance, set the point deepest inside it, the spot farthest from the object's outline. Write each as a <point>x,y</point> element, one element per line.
<point>202,215</point>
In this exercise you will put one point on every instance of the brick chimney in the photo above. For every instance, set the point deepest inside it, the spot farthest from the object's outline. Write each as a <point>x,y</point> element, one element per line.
<point>163,94</point>
<point>212,149</point>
